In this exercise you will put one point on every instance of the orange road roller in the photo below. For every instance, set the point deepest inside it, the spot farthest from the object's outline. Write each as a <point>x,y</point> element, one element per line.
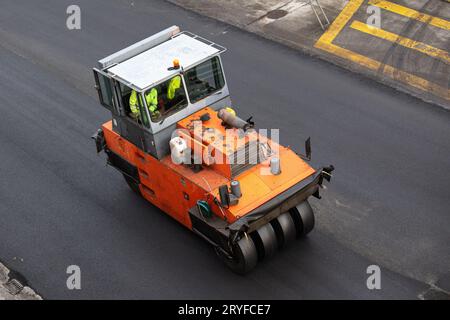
<point>179,144</point>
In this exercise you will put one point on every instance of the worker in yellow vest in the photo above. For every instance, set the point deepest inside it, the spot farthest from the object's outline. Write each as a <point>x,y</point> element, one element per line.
<point>174,85</point>
<point>152,103</point>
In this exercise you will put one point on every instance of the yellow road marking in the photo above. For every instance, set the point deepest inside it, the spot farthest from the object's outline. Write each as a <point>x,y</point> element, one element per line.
<point>411,13</point>
<point>388,70</point>
<point>339,23</point>
<point>405,42</point>
<point>325,43</point>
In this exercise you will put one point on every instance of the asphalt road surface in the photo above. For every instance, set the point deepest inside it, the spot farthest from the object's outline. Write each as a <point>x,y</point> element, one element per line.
<point>389,202</point>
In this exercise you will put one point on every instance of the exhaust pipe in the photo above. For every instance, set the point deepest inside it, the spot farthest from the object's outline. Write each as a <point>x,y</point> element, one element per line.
<point>233,121</point>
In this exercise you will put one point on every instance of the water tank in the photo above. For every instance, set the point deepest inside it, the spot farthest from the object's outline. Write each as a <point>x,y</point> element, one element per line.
<point>178,150</point>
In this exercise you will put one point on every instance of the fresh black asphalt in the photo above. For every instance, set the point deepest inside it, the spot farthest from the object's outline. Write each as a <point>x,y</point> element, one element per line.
<point>388,203</point>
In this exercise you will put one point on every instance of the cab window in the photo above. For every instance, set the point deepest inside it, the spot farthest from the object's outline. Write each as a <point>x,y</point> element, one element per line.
<point>204,79</point>
<point>133,106</point>
<point>166,98</point>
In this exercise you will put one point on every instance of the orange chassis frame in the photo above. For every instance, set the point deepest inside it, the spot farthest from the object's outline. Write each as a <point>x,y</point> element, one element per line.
<point>175,189</point>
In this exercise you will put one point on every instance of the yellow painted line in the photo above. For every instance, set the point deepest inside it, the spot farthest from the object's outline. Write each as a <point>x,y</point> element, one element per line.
<point>405,42</point>
<point>388,70</point>
<point>325,43</point>
<point>412,14</point>
<point>339,23</point>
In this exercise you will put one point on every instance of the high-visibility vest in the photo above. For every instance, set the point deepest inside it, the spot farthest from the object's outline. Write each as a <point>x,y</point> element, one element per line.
<point>151,98</point>
<point>134,103</point>
<point>174,85</point>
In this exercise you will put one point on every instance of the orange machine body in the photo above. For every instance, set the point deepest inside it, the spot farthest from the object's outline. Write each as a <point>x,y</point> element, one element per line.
<point>233,186</point>
<point>175,188</point>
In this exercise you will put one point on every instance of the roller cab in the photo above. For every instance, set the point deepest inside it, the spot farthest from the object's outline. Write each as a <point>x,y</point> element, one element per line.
<point>179,143</point>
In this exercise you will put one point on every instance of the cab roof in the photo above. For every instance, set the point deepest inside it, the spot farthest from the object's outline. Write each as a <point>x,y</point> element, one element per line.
<point>152,65</point>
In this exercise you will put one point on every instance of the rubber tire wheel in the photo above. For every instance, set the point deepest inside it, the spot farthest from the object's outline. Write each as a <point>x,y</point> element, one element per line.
<point>303,216</point>
<point>245,256</point>
<point>285,229</point>
<point>132,184</point>
<point>266,241</point>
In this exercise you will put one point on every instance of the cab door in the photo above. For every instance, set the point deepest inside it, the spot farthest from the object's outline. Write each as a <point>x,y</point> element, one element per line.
<point>135,131</point>
<point>106,91</point>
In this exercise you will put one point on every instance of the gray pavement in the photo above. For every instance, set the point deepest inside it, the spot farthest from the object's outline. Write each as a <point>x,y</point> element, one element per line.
<point>408,49</point>
<point>60,205</point>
